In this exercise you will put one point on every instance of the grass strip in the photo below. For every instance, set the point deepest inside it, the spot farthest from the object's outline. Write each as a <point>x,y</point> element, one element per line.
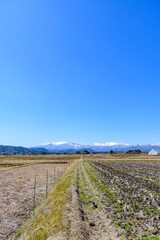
<point>48,220</point>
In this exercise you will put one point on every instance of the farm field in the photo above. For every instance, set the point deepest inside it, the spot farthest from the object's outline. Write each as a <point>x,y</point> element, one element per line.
<point>99,197</point>
<point>17,188</point>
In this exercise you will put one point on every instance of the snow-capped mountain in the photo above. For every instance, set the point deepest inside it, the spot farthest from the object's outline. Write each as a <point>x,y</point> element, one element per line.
<point>108,146</point>
<point>97,147</point>
<point>61,146</point>
<point>54,146</point>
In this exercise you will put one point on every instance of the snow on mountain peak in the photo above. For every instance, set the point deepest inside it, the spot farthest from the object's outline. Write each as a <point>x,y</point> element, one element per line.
<point>70,145</point>
<point>110,144</point>
<point>60,145</point>
<point>97,147</point>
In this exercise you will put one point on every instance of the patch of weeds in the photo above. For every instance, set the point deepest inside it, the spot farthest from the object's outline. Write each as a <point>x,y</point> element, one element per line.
<point>127,225</point>
<point>148,238</point>
<point>117,226</point>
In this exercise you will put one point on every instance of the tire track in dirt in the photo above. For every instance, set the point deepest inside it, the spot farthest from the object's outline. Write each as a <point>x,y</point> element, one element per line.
<point>108,231</point>
<point>77,219</point>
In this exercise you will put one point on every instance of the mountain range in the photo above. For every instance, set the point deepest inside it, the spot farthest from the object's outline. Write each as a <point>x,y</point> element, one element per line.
<point>69,147</point>
<point>97,147</point>
<point>13,150</point>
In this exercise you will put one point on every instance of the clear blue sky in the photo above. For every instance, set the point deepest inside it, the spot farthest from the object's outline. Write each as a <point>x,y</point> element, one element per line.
<point>81,71</point>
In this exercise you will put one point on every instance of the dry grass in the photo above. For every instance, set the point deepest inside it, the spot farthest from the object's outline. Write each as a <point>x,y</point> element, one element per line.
<point>48,222</point>
<point>39,157</point>
<point>120,157</point>
<point>16,193</point>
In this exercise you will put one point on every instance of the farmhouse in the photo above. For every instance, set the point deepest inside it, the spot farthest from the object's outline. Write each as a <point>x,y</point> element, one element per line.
<point>153,152</point>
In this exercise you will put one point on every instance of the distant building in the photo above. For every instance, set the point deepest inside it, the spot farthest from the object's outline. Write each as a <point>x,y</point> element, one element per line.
<point>153,152</point>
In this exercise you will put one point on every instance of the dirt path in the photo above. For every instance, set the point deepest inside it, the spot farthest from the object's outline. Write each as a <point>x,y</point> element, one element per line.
<point>78,219</point>
<point>105,229</point>
<point>87,219</point>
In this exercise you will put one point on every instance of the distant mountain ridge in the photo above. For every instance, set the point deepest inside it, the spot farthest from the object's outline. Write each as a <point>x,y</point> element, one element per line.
<point>69,147</point>
<point>12,150</point>
<point>98,147</point>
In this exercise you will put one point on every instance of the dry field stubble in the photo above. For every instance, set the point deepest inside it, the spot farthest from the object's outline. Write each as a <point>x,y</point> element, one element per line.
<point>16,192</point>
